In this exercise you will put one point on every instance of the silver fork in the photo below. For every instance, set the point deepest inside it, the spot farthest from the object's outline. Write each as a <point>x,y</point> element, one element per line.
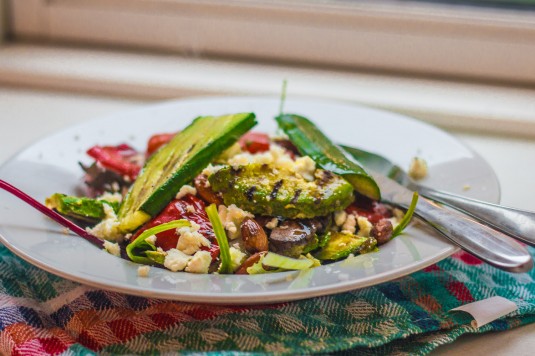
<point>517,223</point>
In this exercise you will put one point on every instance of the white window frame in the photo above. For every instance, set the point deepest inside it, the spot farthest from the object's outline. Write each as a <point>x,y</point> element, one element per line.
<point>408,38</point>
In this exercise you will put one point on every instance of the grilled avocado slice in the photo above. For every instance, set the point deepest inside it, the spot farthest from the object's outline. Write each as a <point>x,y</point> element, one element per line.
<point>262,190</point>
<point>177,163</point>
<point>81,208</point>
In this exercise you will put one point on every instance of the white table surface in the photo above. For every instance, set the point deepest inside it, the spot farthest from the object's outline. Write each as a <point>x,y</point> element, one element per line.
<point>27,115</point>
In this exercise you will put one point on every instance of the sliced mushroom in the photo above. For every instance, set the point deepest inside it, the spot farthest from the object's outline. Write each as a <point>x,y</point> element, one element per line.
<point>254,236</point>
<point>291,237</point>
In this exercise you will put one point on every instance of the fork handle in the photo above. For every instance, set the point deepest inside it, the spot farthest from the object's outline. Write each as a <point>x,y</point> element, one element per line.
<point>480,240</point>
<point>519,224</point>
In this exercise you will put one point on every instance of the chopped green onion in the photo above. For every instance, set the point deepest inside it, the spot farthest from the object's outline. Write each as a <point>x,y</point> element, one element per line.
<point>279,261</point>
<point>222,241</point>
<point>407,217</point>
<point>283,96</point>
<point>137,249</point>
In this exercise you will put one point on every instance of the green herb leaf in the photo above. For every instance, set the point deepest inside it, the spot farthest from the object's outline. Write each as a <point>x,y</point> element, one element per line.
<point>407,218</point>
<point>137,250</point>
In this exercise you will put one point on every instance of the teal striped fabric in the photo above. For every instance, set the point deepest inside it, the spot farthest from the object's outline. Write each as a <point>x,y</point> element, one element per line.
<point>42,314</point>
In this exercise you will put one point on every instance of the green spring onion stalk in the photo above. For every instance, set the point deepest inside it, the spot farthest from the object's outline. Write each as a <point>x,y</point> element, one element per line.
<point>222,241</point>
<point>140,249</point>
<point>407,218</point>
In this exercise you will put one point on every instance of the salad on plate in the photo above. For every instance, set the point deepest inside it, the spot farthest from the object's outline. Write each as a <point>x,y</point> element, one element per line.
<point>219,198</point>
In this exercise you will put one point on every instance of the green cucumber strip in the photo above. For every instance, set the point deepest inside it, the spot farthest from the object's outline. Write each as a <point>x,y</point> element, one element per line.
<point>82,208</point>
<point>224,250</point>
<point>136,250</point>
<point>272,259</point>
<point>407,217</point>
<point>310,141</point>
<point>177,163</point>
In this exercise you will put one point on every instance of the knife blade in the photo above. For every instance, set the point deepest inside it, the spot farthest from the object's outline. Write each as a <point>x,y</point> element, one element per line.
<point>489,245</point>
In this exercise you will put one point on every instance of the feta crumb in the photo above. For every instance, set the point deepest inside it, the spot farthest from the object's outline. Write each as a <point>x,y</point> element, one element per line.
<point>111,197</point>
<point>176,260</point>
<point>107,229</point>
<point>151,239</point>
<point>340,217</point>
<point>273,223</point>
<point>350,224</point>
<point>305,167</point>
<point>418,168</point>
<point>190,240</point>
<point>143,271</point>
<point>200,262</point>
<point>185,190</point>
<point>112,248</point>
<point>209,170</point>
<point>365,226</point>
<point>237,257</point>
<point>190,209</point>
<point>231,218</point>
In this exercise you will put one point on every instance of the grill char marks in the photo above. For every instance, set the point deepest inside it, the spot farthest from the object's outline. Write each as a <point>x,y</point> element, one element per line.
<point>275,191</point>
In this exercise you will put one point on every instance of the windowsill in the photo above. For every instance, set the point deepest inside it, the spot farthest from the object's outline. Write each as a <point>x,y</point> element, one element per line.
<point>453,105</point>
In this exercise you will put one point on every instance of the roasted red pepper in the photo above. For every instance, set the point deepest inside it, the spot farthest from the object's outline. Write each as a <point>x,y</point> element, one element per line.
<point>157,141</point>
<point>370,209</point>
<point>178,209</point>
<point>116,158</point>
<point>254,142</point>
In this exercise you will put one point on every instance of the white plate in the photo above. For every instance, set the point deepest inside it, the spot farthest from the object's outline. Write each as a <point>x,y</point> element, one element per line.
<point>51,165</point>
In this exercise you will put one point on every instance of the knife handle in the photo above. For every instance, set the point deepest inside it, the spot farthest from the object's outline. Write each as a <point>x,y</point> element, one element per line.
<point>520,224</point>
<point>489,245</point>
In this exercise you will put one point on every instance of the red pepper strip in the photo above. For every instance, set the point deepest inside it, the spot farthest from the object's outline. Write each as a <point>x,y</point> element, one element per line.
<point>116,158</point>
<point>178,209</point>
<point>254,142</point>
<point>372,210</point>
<point>157,141</point>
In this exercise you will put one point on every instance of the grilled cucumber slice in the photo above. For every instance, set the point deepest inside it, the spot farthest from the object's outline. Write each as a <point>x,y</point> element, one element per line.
<point>310,141</point>
<point>178,163</point>
<point>260,189</point>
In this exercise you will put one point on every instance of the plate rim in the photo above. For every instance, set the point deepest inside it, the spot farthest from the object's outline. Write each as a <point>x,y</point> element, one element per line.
<point>267,297</point>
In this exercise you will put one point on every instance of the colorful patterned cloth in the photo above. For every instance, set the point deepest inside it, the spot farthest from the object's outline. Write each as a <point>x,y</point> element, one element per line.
<point>44,314</point>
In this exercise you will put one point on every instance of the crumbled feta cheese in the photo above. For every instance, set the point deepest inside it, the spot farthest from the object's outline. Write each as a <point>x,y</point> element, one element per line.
<point>305,167</point>
<point>231,218</point>
<point>273,223</point>
<point>277,157</point>
<point>112,248</point>
<point>237,257</point>
<point>200,262</point>
<point>209,170</point>
<point>107,229</point>
<point>111,197</point>
<point>143,271</point>
<point>418,168</point>
<point>340,217</point>
<point>365,226</point>
<point>176,260</point>
<point>190,240</point>
<point>350,224</point>
<point>151,239</point>
<point>190,209</point>
<point>185,190</point>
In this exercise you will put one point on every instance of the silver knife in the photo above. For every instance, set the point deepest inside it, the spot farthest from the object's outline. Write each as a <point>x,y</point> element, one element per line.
<point>489,245</point>
<point>517,223</point>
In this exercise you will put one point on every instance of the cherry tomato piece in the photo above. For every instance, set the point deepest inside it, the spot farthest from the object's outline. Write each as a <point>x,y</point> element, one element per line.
<point>254,142</point>
<point>157,141</point>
